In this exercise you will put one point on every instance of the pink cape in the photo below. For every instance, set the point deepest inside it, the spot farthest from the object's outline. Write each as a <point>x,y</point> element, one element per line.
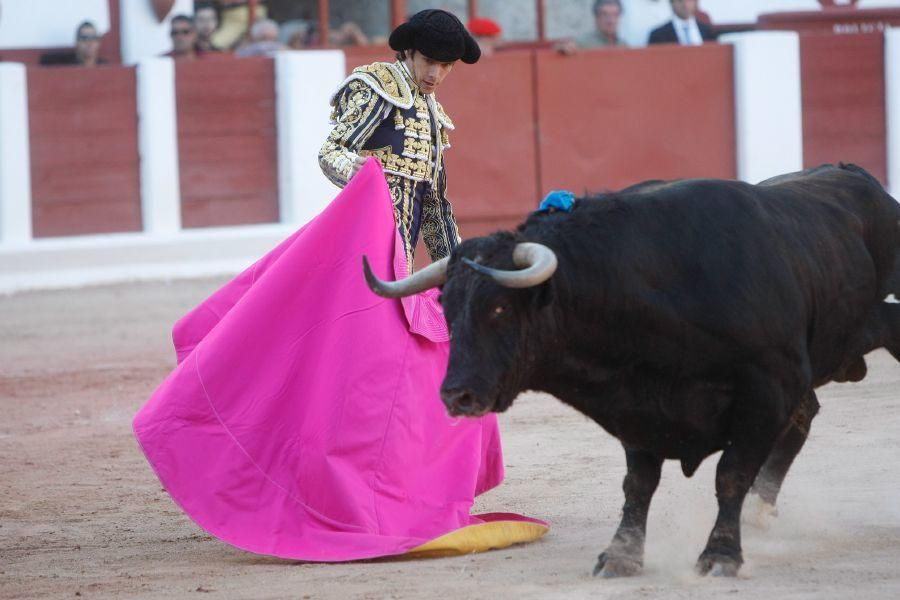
<point>303,419</point>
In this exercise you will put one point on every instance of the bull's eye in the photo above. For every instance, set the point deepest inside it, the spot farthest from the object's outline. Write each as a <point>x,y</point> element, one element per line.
<point>498,311</point>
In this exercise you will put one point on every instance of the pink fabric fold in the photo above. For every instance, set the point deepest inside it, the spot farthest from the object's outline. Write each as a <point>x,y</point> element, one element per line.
<point>303,419</point>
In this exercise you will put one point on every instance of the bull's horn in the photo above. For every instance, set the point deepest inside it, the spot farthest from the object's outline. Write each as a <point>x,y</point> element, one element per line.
<point>431,276</point>
<point>538,263</point>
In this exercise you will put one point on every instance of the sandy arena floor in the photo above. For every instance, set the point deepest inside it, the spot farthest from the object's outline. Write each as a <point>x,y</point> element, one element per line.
<point>82,515</point>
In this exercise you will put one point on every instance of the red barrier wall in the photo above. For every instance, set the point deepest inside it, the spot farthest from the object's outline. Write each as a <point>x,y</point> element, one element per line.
<point>84,153</point>
<point>843,101</point>
<point>227,147</point>
<point>527,122</point>
<point>610,118</point>
<point>491,166</point>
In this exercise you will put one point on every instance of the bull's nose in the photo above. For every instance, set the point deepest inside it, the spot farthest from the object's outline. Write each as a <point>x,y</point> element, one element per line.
<point>460,403</point>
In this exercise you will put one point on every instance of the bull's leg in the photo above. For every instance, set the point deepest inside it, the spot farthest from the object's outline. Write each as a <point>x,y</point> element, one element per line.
<point>760,415</point>
<point>625,553</point>
<point>771,475</point>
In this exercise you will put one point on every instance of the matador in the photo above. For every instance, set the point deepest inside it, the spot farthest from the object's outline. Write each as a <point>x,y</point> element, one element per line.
<point>388,110</point>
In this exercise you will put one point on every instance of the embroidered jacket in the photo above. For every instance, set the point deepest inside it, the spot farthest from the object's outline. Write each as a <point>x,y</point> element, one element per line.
<point>379,111</point>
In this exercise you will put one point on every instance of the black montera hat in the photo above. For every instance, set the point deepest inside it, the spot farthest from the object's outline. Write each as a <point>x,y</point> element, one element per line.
<point>438,35</point>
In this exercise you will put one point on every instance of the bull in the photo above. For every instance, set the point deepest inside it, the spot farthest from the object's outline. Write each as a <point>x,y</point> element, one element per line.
<point>684,317</point>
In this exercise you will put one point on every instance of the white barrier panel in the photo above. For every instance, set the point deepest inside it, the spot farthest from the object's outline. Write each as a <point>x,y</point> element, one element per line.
<point>304,83</point>
<point>892,104</point>
<point>15,158</point>
<point>768,109</point>
<point>57,263</point>
<point>158,146</point>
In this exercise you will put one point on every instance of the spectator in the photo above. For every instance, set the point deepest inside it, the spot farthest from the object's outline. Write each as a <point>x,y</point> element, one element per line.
<point>684,28</point>
<point>206,21</point>
<point>184,38</point>
<point>263,40</point>
<point>86,52</point>
<point>487,33</point>
<point>607,14</point>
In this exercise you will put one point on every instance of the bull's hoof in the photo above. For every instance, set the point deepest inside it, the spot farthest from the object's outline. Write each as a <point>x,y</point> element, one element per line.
<point>609,565</point>
<point>718,565</point>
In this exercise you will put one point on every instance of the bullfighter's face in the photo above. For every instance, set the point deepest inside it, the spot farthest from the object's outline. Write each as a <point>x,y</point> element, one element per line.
<point>493,347</point>
<point>427,72</point>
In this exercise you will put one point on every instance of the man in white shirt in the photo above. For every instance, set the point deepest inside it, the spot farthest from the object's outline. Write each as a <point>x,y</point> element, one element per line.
<point>683,28</point>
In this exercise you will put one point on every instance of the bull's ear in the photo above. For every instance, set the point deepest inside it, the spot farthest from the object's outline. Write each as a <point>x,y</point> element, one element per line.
<point>543,295</point>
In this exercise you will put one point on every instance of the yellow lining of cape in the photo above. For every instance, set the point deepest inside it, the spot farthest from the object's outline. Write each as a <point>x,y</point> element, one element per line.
<point>482,537</point>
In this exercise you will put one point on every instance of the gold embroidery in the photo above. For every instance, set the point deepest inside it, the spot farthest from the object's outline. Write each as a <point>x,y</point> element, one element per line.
<point>387,79</point>
<point>382,91</point>
<point>439,230</point>
<point>403,199</point>
<point>355,120</point>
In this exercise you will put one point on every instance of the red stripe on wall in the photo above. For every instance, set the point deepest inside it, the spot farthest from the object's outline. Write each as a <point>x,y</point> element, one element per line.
<point>611,118</point>
<point>84,151</point>
<point>844,101</point>
<point>491,162</point>
<point>111,46</point>
<point>227,146</point>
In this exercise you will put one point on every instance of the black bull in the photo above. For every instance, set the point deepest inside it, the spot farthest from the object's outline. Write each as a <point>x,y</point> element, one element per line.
<point>685,318</point>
